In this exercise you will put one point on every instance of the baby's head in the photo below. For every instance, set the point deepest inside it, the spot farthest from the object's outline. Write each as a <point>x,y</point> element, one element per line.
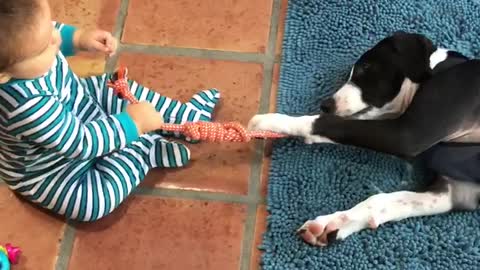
<point>29,42</point>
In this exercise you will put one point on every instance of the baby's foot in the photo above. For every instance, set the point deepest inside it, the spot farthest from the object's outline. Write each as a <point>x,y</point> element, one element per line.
<point>165,154</point>
<point>204,103</point>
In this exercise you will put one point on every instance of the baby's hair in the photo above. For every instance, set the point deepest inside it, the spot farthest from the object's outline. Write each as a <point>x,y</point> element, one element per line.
<point>17,18</point>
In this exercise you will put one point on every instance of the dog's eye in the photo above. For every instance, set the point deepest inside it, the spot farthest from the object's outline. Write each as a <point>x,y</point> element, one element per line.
<point>362,68</point>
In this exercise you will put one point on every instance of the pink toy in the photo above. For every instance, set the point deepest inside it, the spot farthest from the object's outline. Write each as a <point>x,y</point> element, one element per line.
<point>8,255</point>
<point>13,253</point>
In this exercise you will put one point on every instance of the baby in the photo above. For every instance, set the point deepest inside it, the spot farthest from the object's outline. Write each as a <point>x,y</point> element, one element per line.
<point>67,143</point>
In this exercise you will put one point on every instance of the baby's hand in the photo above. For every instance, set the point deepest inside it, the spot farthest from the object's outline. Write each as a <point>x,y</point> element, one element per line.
<point>145,116</point>
<point>95,41</point>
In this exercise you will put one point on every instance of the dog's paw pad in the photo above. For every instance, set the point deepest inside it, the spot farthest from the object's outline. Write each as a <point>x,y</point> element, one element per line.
<point>327,229</point>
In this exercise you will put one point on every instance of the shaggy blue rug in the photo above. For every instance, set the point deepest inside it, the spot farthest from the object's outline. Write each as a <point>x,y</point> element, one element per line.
<point>322,40</point>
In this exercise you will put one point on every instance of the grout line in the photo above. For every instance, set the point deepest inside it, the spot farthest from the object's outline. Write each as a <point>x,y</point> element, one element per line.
<point>256,171</point>
<point>271,58</point>
<point>248,237</point>
<point>272,41</point>
<point>66,247</point>
<point>278,59</point>
<point>117,33</point>
<point>111,63</point>
<point>197,195</point>
<point>192,52</point>
<point>256,168</point>
<point>121,18</point>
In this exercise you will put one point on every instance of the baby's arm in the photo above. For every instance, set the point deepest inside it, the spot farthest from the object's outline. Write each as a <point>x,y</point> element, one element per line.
<point>74,39</point>
<point>45,121</point>
<point>66,32</point>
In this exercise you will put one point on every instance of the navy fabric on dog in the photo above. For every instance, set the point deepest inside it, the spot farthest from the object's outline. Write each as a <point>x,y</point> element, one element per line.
<point>460,161</point>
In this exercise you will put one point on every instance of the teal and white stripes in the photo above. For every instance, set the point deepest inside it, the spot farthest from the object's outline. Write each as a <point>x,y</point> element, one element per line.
<point>47,123</point>
<point>67,144</point>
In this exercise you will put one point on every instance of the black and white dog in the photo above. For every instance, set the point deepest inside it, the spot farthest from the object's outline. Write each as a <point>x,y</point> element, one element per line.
<point>404,97</point>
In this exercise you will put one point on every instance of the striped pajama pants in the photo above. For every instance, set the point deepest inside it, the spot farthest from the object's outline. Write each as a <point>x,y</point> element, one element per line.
<point>90,190</point>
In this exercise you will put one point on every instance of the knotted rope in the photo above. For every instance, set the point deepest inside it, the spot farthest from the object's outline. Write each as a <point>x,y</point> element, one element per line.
<point>204,131</point>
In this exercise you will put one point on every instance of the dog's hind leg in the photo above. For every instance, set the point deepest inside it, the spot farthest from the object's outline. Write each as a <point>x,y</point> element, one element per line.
<point>445,195</point>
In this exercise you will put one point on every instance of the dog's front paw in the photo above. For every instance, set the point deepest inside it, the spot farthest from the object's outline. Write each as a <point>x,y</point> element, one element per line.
<point>289,125</point>
<point>268,122</point>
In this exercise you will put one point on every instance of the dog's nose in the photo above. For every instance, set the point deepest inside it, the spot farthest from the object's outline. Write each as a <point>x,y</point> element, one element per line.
<point>328,105</point>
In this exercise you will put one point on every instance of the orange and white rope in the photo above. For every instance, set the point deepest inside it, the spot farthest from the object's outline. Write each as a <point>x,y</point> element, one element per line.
<point>204,131</point>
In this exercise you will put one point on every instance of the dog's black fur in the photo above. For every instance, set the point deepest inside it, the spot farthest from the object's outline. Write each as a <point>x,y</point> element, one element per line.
<point>447,101</point>
<point>441,124</point>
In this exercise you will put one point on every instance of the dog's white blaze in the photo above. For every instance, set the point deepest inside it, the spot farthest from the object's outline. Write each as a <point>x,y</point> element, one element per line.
<point>438,56</point>
<point>349,100</point>
<point>395,107</point>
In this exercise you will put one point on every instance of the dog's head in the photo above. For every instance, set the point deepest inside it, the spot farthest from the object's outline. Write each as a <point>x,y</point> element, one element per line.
<point>377,77</point>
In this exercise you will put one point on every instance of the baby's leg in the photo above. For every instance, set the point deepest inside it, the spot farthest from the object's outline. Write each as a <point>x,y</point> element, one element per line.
<point>88,192</point>
<point>199,108</point>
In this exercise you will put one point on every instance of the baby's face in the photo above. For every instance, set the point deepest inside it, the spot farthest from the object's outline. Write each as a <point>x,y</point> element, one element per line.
<point>39,49</point>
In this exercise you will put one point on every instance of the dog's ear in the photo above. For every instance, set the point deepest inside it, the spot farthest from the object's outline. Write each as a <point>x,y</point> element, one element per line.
<point>411,53</point>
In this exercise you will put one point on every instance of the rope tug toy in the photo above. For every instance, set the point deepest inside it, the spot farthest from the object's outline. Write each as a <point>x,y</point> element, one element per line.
<point>8,255</point>
<point>205,131</point>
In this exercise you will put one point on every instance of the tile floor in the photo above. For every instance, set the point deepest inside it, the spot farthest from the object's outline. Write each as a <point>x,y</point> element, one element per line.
<point>210,215</point>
